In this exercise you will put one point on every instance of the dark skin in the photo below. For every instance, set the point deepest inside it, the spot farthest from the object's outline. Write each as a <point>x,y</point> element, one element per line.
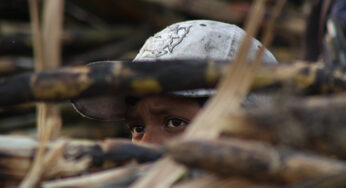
<point>157,119</point>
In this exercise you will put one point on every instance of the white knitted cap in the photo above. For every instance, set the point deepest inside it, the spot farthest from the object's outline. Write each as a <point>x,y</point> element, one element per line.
<point>197,39</point>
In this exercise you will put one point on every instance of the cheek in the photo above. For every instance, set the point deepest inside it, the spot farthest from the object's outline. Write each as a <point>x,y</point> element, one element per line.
<point>153,134</point>
<point>176,131</point>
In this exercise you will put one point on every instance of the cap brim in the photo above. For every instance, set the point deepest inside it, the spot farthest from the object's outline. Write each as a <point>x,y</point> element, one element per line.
<point>105,108</point>
<point>113,107</point>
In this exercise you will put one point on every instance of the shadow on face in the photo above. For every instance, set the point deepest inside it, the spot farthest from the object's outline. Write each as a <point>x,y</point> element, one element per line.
<point>156,119</point>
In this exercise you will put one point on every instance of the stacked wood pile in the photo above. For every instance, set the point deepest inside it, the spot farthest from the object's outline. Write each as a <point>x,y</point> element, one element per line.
<point>296,137</point>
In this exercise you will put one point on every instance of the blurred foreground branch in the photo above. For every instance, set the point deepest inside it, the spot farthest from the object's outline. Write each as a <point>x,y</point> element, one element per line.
<point>306,123</point>
<point>234,161</point>
<point>156,77</point>
<point>237,157</point>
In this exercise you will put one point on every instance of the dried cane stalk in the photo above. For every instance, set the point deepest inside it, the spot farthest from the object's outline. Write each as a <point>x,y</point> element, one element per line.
<point>254,160</point>
<point>210,180</point>
<point>51,41</point>
<point>98,178</point>
<point>47,115</point>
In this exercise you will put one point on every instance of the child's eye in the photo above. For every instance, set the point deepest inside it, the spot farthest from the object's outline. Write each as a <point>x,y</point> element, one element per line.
<point>137,129</point>
<point>175,122</point>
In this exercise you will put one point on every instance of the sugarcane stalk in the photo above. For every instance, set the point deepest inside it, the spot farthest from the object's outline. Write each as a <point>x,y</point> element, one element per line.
<point>254,160</point>
<point>333,181</point>
<point>306,123</point>
<point>75,37</point>
<point>47,52</point>
<point>103,78</point>
<point>10,65</point>
<point>17,152</point>
<point>156,77</point>
<point>111,50</point>
<point>117,177</point>
<point>210,180</point>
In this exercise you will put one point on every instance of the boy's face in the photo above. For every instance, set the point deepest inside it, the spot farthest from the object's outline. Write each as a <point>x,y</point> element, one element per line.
<point>156,119</point>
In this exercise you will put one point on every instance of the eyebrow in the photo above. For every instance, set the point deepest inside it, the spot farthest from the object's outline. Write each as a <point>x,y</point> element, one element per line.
<point>131,116</point>
<point>155,111</point>
<point>160,111</point>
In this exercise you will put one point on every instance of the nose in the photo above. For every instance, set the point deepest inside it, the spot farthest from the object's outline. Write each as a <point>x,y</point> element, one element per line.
<point>153,135</point>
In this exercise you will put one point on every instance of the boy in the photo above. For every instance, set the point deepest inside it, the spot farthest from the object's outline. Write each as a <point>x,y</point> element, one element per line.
<point>156,119</point>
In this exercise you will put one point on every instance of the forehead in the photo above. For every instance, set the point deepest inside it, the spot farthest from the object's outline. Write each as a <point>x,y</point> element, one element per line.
<point>161,104</point>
